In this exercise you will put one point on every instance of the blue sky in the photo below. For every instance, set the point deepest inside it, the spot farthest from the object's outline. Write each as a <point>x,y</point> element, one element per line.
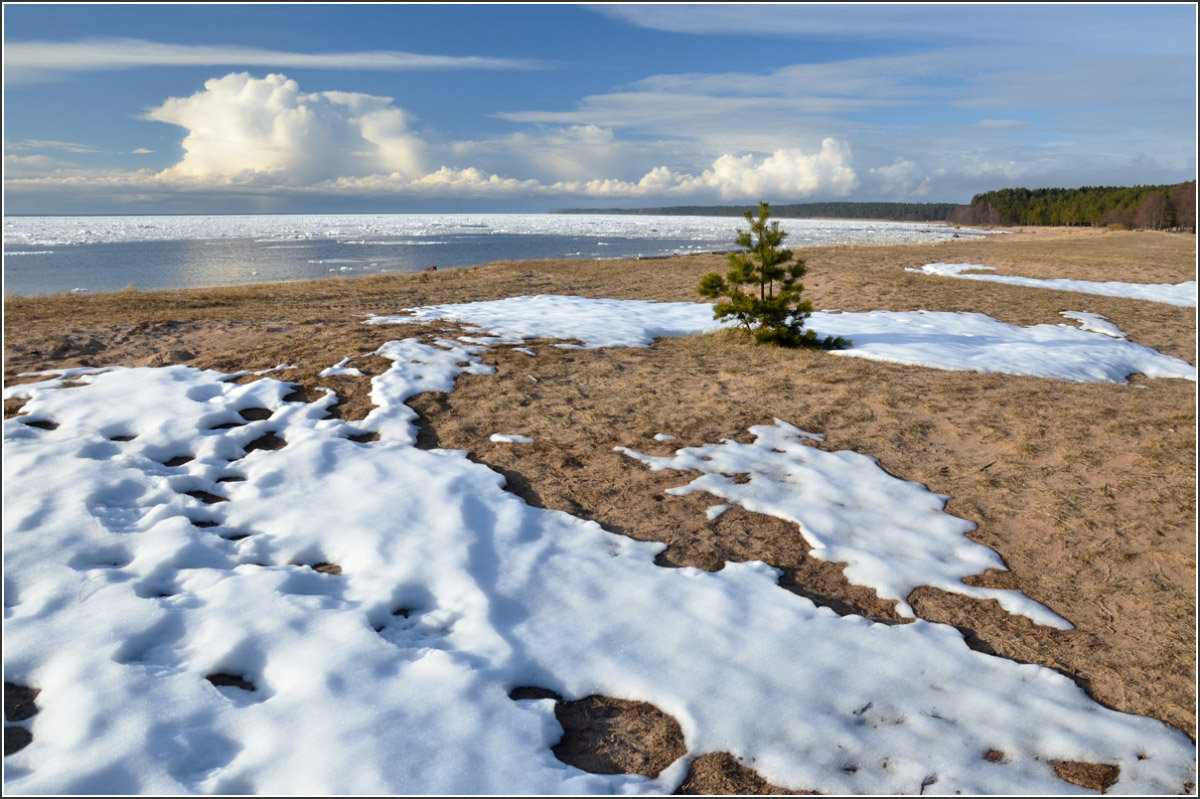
<point>499,107</point>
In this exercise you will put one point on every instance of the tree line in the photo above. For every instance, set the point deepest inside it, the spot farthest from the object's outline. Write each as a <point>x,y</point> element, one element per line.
<point>1169,207</point>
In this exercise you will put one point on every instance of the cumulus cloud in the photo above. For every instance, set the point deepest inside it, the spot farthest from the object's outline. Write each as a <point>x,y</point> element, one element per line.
<point>250,136</point>
<point>444,181</point>
<point>786,173</point>
<point>265,130</point>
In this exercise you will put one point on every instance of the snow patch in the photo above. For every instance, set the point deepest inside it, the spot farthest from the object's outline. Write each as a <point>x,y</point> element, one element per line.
<point>1095,323</point>
<point>510,438</point>
<point>893,534</point>
<point>939,340</point>
<point>1182,294</point>
<point>595,323</point>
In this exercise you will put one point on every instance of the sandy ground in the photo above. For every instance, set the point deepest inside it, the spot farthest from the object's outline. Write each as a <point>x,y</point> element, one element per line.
<point>1086,491</point>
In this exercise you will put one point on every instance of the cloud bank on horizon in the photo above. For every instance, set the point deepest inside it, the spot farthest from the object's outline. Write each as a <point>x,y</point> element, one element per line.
<point>903,105</point>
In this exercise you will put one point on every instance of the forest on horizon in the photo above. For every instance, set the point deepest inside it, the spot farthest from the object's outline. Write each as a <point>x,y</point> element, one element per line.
<point>1163,207</point>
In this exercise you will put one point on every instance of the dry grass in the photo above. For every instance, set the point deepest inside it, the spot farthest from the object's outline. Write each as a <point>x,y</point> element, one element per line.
<point>1087,491</point>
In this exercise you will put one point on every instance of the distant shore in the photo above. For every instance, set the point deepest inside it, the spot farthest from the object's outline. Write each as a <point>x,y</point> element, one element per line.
<point>848,211</point>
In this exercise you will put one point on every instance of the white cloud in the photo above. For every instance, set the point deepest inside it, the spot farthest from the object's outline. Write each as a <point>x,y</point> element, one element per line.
<point>769,20</point>
<point>266,136</point>
<point>40,60</point>
<point>264,130</point>
<point>786,173</point>
<point>717,121</point>
<point>854,84</point>
<point>1112,26</point>
<point>32,164</point>
<point>1110,106</point>
<point>570,153</point>
<point>43,144</point>
<point>445,181</point>
<point>902,178</point>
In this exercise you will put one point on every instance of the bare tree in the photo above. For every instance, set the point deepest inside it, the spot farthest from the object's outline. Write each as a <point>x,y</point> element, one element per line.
<point>1183,203</point>
<point>1152,213</point>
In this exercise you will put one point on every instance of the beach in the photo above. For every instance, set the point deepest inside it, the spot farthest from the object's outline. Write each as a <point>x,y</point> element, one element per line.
<point>1084,489</point>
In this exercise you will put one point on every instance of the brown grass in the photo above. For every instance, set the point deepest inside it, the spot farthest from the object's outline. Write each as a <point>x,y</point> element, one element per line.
<point>1086,491</point>
<point>604,735</point>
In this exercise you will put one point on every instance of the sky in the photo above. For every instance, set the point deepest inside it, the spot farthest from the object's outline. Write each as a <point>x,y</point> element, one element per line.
<point>532,107</point>
<point>353,617</point>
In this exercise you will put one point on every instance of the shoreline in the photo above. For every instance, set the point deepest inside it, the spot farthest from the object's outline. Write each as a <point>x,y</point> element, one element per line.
<point>1025,233</point>
<point>49,255</point>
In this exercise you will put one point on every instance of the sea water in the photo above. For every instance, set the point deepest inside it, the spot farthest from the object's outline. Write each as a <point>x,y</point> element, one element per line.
<point>49,254</point>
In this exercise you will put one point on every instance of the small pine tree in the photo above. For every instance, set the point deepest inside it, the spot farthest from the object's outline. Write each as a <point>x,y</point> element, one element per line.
<point>763,288</point>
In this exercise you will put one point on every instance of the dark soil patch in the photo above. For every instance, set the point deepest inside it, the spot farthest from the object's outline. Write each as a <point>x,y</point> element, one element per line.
<point>269,441</point>
<point>327,568</point>
<point>1096,776</point>
<point>16,739</point>
<point>19,702</point>
<point>222,679</point>
<point>206,497</point>
<point>720,774</point>
<point>603,735</point>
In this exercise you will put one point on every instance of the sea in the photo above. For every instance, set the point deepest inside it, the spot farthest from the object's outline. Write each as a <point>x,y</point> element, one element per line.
<point>89,254</point>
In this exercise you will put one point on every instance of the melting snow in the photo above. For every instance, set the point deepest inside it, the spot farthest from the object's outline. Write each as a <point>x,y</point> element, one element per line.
<point>978,343</point>
<point>714,512</point>
<point>1095,323</point>
<point>596,323</point>
<point>204,612</point>
<point>510,438</point>
<point>893,534</point>
<point>1183,294</point>
<point>941,340</point>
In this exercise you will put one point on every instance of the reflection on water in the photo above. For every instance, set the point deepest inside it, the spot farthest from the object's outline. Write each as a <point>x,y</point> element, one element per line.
<point>43,255</point>
<point>148,265</point>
